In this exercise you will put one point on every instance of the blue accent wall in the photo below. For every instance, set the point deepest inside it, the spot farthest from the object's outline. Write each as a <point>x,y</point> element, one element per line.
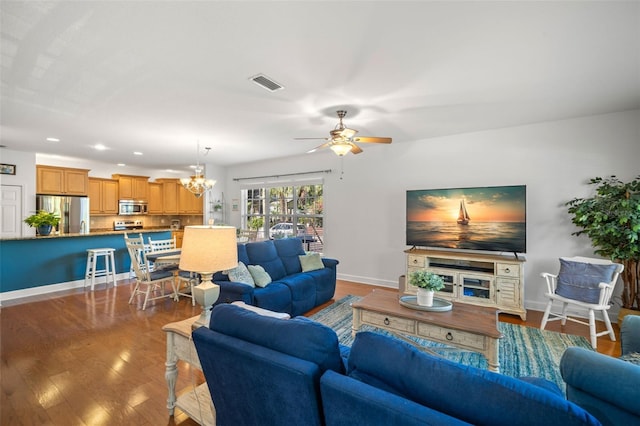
<point>42,261</point>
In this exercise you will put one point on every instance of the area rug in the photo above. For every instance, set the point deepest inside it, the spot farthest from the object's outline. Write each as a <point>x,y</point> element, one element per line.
<point>523,351</point>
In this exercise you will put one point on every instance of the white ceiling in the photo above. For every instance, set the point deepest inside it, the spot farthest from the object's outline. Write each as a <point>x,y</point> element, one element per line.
<point>158,76</point>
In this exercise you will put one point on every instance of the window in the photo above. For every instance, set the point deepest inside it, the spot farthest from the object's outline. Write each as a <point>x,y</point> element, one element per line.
<point>286,212</point>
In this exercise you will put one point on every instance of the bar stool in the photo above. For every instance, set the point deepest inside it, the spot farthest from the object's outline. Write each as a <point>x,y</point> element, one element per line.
<point>92,263</point>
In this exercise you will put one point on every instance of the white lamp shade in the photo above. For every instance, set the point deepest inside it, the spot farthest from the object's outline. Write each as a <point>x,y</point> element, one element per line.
<point>340,148</point>
<point>209,249</point>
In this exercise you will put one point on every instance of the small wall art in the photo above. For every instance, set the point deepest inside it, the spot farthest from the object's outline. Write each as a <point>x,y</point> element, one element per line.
<point>7,169</point>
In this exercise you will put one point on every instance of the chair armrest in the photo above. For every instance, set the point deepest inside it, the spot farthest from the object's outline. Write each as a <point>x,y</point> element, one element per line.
<point>551,281</point>
<point>605,378</point>
<point>231,291</point>
<point>630,334</point>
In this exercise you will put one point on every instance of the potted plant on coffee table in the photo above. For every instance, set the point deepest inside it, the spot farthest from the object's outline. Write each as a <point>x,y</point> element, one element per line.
<point>427,282</point>
<point>611,220</point>
<point>43,221</point>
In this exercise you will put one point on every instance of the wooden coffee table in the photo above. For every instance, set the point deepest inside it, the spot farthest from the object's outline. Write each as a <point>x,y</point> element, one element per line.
<point>468,327</point>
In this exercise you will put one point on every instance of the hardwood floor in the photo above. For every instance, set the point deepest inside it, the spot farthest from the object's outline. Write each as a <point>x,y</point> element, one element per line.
<point>83,358</point>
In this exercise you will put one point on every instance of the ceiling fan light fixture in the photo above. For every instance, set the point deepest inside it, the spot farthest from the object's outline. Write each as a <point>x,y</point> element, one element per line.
<point>341,148</point>
<point>348,133</point>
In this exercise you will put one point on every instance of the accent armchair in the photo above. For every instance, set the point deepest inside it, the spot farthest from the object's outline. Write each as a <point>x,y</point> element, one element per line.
<point>586,284</point>
<point>608,388</point>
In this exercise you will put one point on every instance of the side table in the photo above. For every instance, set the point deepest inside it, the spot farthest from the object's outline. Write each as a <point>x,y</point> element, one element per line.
<point>197,402</point>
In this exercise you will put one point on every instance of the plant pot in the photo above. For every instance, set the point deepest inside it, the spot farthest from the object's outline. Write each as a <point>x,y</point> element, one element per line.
<point>44,230</point>
<point>425,297</point>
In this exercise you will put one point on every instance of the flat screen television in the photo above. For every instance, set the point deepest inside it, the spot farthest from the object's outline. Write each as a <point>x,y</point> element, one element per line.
<point>482,218</point>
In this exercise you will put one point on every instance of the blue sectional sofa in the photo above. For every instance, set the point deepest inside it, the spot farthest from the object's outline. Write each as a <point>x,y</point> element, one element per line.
<point>607,387</point>
<point>291,290</point>
<point>268,371</point>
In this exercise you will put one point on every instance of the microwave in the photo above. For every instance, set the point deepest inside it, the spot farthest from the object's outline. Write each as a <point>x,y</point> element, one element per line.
<point>130,207</point>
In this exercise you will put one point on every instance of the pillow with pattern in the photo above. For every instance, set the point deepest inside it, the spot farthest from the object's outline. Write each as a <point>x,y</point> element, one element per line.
<point>240,274</point>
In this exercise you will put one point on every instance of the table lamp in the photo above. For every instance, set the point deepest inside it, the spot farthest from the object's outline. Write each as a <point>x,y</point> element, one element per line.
<point>206,250</point>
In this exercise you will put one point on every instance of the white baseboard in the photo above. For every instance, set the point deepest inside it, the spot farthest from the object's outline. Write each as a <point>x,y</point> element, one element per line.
<point>368,280</point>
<point>51,288</point>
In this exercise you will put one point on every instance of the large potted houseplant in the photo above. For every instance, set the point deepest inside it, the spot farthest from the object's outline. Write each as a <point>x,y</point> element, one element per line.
<point>427,283</point>
<point>43,221</point>
<point>611,219</point>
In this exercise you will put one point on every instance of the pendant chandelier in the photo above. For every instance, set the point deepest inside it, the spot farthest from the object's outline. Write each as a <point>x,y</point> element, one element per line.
<point>197,184</point>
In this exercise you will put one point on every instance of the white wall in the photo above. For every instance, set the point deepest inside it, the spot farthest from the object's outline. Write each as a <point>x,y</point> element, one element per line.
<point>365,210</point>
<point>25,177</point>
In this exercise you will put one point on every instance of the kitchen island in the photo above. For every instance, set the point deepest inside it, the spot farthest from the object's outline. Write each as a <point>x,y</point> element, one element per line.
<point>37,265</point>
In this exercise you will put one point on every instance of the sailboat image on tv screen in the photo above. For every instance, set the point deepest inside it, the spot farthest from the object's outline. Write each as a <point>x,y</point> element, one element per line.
<point>463,216</point>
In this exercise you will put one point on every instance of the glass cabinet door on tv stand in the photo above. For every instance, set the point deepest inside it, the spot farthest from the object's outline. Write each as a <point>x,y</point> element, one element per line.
<point>479,279</point>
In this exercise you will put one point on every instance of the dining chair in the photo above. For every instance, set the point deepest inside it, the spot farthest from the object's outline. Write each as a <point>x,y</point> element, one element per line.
<point>162,245</point>
<point>584,283</point>
<point>146,249</point>
<point>185,281</point>
<point>147,281</point>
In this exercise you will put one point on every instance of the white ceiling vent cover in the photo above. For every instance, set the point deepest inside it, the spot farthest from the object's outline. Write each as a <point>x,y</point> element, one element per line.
<point>266,82</point>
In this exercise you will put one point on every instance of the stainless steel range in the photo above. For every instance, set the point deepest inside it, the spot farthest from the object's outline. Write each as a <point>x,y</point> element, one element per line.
<point>127,225</point>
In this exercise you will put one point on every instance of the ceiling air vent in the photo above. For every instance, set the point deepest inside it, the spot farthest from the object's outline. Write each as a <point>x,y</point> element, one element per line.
<point>266,82</point>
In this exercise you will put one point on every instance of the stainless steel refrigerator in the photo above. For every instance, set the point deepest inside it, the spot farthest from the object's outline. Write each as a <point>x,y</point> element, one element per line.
<point>73,212</point>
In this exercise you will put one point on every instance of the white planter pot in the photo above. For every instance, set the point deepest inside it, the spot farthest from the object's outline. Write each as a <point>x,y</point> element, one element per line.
<point>425,297</point>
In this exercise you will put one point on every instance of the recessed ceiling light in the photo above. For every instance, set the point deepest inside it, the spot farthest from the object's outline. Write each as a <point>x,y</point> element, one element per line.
<point>53,140</point>
<point>137,153</point>
<point>121,164</point>
<point>100,147</point>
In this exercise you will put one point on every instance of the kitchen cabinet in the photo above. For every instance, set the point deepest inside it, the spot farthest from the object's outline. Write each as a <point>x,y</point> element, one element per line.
<point>178,235</point>
<point>169,195</point>
<point>178,200</point>
<point>132,187</point>
<point>103,196</point>
<point>155,198</point>
<point>53,180</point>
<point>188,203</point>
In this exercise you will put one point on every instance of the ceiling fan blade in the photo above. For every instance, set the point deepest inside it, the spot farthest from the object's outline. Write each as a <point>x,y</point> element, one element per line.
<point>371,139</point>
<point>355,149</point>
<point>300,139</point>
<point>324,145</point>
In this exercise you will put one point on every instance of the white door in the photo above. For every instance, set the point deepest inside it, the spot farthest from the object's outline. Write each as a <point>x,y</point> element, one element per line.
<point>10,211</point>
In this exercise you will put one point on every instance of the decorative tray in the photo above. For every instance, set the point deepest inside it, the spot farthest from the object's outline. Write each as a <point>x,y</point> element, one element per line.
<point>439,305</point>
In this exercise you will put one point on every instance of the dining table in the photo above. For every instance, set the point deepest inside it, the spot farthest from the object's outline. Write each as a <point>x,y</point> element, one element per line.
<point>164,258</point>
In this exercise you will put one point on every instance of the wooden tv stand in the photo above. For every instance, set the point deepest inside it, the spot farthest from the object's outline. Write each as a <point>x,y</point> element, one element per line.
<point>478,279</point>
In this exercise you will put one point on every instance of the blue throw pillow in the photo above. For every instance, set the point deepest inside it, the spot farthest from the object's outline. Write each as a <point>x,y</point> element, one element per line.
<point>579,280</point>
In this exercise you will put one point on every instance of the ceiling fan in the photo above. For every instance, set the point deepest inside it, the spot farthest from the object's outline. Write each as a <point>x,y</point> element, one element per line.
<point>342,139</point>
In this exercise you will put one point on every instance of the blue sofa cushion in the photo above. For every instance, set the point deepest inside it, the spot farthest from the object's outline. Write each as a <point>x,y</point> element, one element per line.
<point>289,249</point>
<point>274,297</point>
<point>579,280</point>
<point>264,253</point>
<point>298,337</point>
<point>303,292</point>
<point>473,395</point>
<point>349,402</point>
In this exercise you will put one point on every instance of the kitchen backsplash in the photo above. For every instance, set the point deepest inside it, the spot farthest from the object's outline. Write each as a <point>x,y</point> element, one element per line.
<point>148,221</point>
